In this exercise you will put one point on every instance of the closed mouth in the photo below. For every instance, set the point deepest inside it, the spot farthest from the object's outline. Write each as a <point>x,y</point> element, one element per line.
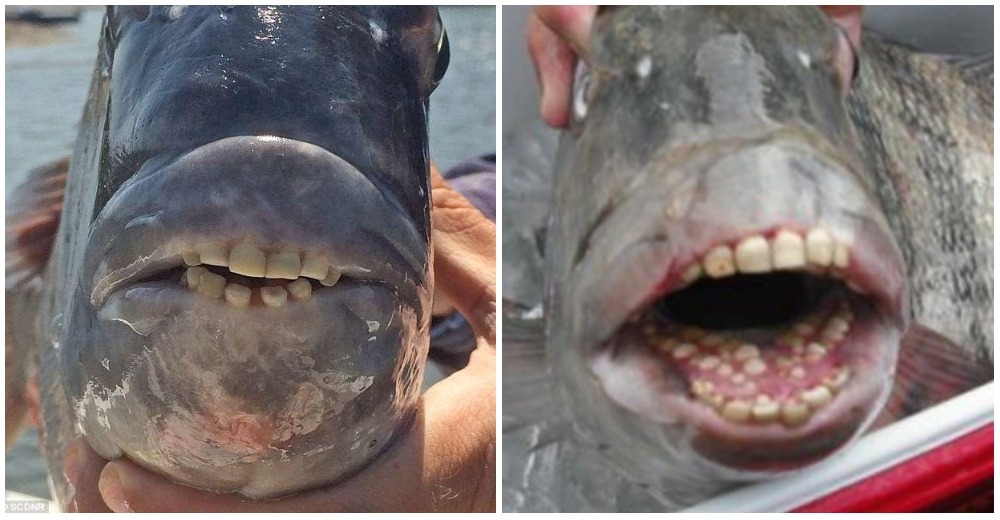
<point>773,347</point>
<point>255,221</point>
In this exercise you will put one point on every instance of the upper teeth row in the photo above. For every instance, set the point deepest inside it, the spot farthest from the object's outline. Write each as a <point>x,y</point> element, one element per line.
<point>249,260</point>
<point>786,250</point>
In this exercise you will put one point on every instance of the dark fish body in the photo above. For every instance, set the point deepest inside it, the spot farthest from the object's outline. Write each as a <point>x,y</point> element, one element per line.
<point>238,294</point>
<point>736,260</point>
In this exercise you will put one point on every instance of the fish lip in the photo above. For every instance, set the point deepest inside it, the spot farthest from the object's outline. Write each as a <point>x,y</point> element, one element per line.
<point>137,234</point>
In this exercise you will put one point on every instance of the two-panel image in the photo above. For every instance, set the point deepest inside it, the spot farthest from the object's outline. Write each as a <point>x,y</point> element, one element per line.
<point>499,258</point>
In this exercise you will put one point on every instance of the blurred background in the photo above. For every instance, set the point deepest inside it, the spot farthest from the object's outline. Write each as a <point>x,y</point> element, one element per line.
<point>50,54</point>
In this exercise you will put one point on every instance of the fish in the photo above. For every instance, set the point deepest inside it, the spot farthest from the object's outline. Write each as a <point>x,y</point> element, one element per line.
<point>231,285</point>
<point>725,271</point>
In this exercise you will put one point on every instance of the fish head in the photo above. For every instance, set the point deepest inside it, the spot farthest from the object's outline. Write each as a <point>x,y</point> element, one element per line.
<point>251,308</point>
<point>727,297</point>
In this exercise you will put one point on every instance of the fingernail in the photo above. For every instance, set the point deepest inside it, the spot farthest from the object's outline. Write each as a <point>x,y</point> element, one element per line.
<point>112,491</point>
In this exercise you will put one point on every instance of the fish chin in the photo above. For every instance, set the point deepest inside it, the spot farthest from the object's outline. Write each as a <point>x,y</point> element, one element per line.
<point>264,351</point>
<point>262,401</point>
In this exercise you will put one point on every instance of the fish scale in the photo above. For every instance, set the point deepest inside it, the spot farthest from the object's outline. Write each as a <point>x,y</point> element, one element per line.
<point>906,109</point>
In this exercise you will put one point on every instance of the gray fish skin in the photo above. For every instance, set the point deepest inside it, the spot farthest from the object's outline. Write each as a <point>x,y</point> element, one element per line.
<point>300,129</point>
<point>633,192</point>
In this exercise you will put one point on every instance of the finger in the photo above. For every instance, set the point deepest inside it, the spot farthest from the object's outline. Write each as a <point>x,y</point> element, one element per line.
<point>571,23</point>
<point>848,17</point>
<point>554,60</point>
<point>126,487</point>
<point>82,468</point>
<point>464,256</point>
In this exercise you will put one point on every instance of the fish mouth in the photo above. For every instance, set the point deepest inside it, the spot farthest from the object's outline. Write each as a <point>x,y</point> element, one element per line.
<point>255,303</point>
<point>255,221</point>
<point>774,346</point>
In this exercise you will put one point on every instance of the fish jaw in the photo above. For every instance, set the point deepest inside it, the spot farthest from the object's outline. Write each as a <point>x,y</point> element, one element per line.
<point>743,223</point>
<point>263,331</point>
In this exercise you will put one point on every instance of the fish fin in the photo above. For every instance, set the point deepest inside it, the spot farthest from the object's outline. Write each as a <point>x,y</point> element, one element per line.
<point>932,369</point>
<point>529,396</point>
<point>979,65</point>
<point>34,210</point>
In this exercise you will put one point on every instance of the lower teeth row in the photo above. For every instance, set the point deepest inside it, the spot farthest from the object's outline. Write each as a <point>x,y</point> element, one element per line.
<point>809,352</point>
<point>214,286</point>
<point>792,412</point>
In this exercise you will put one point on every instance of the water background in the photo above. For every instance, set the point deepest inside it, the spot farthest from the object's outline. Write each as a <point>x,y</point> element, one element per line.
<point>47,84</point>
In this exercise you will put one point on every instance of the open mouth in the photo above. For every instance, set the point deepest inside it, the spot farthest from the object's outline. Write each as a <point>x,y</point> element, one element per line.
<point>772,347</point>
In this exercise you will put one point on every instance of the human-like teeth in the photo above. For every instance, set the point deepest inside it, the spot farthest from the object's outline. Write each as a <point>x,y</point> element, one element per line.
<point>817,397</point>
<point>819,247</point>
<point>794,413</point>
<point>804,329</point>
<point>191,258</point>
<point>211,285</point>
<point>745,352</point>
<point>718,263</point>
<point>838,380</point>
<point>690,275</point>
<point>685,350</point>
<point>331,278</point>
<point>237,295</point>
<point>273,296</point>
<point>708,362</point>
<point>736,410</point>
<point>213,254</point>
<point>753,255</point>
<point>248,260</point>
<point>315,266</point>
<point>815,351</point>
<point>788,251</point>
<point>766,411</point>
<point>755,367</point>
<point>283,264</point>
<point>193,275</point>
<point>833,335</point>
<point>300,289</point>
<point>712,399</point>
<point>841,255</point>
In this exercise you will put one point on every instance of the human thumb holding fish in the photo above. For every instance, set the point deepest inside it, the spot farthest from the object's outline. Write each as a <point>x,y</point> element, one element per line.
<point>558,35</point>
<point>446,462</point>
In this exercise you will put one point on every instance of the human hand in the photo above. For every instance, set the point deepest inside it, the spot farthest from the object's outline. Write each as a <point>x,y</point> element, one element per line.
<point>445,463</point>
<point>560,35</point>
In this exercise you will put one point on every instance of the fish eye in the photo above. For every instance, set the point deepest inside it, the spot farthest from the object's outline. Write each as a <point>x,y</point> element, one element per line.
<point>443,58</point>
<point>581,83</point>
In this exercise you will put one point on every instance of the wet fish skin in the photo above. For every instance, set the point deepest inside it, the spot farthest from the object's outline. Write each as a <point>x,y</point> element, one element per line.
<point>299,128</point>
<point>596,457</point>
